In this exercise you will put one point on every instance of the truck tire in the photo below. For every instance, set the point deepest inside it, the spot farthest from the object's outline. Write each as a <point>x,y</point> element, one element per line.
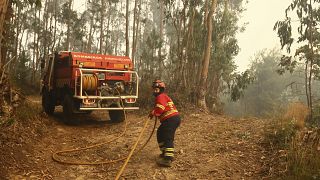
<point>68,106</point>
<point>116,116</point>
<point>48,104</point>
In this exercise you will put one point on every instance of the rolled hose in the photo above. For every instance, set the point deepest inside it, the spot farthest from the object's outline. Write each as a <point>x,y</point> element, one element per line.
<point>89,82</point>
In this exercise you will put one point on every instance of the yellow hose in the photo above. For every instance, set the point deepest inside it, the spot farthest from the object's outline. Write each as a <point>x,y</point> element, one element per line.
<point>55,154</point>
<point>131,152</point>
<point>127,158</point>
<point>89,82</point>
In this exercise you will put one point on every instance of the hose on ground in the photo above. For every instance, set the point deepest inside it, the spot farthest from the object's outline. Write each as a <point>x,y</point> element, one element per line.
<point>127,158</point>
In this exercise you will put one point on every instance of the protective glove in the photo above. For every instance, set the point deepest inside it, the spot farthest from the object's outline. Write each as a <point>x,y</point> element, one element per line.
<point>151,115</point>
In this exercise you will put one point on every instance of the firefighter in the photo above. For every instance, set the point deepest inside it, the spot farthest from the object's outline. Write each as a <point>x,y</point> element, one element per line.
<point>166,111</point>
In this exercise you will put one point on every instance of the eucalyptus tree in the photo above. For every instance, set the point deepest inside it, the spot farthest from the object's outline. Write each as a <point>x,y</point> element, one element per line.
<point>91,14</point>
<point>225,48</point>
<point>201,101</point>
<point>186,31</point>
<point>308,13</point>
<point>135,29</point>
<point>127,27</point>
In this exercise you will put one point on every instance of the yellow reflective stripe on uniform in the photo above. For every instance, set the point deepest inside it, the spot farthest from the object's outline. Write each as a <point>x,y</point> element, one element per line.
<point>170,103</point>
<point>168,113</point>
<point>169,154</point>
<point>160,106</point>
<point>170,149</point>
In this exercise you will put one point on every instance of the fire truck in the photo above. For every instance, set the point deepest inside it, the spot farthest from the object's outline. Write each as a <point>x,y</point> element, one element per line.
<point>83,82</point>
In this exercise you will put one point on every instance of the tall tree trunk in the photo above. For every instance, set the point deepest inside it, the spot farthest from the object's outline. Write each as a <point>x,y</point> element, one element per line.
<point>46,39</point>
<point>16,41</point>
<point>4,16</point>
<point>101,24</point>
<point>67,47</point>
<point>134,30</point>
<point>216,74</point>
<point>137,32</point>
<point>189,51</point>
<point>161,63</point>
<point>306,83</point>
<point>88,48</point>
<point>34,48</point>
<point>127,28</point>
<point>107,44</point>
<point>201,102</point>
<point>37,49</point>
<point>311,59</point>
<point>215,84</point>
<point>55,27</point>
<point>199,69</point>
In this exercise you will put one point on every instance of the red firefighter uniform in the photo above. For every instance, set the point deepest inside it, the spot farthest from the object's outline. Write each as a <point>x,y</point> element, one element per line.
<point>170,120</point>
<point>164,107</point>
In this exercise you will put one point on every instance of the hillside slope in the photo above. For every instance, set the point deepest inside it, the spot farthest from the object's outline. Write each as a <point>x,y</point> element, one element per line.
<point>207,147</point>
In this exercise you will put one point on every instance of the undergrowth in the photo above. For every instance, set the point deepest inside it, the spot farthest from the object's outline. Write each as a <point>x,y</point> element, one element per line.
<point>26,110</point>
<point>295,146</point>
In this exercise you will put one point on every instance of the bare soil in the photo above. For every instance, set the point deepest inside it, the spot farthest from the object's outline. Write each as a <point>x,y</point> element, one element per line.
<point>207,147</point>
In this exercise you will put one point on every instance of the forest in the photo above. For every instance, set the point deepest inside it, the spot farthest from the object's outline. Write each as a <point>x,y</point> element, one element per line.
<point>269,113</point>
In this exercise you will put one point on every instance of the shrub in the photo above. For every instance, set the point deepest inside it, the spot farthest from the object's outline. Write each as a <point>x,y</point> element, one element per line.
<point>297,113</point>
<point>285,124</point>
<point>303,155</point>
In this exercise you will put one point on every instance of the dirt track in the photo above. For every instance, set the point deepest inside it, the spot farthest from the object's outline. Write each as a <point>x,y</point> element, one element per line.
<point>207,147</point>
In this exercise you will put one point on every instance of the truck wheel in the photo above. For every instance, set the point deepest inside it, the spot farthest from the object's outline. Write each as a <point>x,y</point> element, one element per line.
<point>116,116</point>
<point>68,106</point>
<point>48,104</point>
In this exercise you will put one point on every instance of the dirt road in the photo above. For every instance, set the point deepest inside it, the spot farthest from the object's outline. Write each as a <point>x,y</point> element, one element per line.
<point>207,147</point>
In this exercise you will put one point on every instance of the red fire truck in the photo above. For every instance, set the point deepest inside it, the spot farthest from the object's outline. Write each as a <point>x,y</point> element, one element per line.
<point>83,82</point>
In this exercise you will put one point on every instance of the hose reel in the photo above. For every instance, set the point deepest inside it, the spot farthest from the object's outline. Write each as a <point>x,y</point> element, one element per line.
<point>89,82</point>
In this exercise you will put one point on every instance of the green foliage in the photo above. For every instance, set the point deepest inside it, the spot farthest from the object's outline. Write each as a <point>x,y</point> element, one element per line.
<point>224,49</point>
<point>284,31</point>
<point>7,122</point>
<point>280,134</point>
<point>44,29</point>
<point>22,70</point>
<point>308,39</point>
<point>241,82</point>
<point>287,63</point>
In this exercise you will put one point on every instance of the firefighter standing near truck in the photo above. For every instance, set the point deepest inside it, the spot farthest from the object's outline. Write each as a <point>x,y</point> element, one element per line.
<point>168,114</point>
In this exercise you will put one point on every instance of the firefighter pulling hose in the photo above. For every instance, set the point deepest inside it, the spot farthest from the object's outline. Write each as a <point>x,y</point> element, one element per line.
<point>86,82</point>
<point>166,111</point>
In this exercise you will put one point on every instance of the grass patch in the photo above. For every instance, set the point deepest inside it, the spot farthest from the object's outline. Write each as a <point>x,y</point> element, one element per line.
<point>27,111</point>
<point>304,155</point>
<point>287,132</point>
<point>286,122</point>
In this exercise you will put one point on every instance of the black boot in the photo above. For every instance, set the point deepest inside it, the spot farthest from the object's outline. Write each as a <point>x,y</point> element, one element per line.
<point>164,162</point>
<point>165,159</point>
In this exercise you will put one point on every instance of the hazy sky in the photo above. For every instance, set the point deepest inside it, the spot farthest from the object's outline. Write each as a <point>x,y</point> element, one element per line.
<point>261,16</point>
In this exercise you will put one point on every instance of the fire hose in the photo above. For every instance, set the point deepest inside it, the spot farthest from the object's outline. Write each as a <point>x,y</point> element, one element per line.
<point>127,158</point>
